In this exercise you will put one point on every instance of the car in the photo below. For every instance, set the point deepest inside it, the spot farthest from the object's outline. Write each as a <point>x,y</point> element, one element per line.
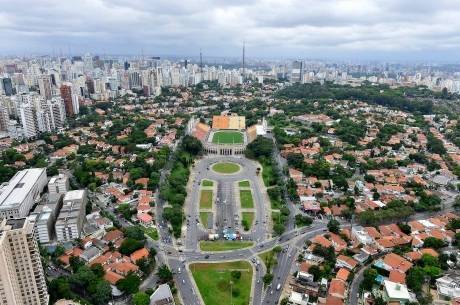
<point>206,256</point>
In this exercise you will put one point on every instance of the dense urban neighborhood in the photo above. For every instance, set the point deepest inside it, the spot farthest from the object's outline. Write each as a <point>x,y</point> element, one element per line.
<point>155,182</point>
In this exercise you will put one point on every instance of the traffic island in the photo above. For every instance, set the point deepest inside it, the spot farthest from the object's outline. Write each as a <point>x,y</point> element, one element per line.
<point>223,283</point>
<point>221,245</point>
<point>226,168</point>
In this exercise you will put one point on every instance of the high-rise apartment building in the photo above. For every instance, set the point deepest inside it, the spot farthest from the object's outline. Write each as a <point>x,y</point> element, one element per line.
<point>4,117</point>
<point>7,86</point>
<point>22,279</point>
<point>57,113</point>
<point>28,120</point>
<point>69,223</point>
<point>66,95</point>
<point>44,85</point>
<point>58,185</point>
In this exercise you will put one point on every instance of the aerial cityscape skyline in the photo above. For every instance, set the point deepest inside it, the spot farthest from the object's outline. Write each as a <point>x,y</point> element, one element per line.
<point>258,152</point>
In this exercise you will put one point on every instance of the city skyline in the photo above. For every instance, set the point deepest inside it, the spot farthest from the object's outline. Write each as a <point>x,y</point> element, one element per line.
<point>348,30</point>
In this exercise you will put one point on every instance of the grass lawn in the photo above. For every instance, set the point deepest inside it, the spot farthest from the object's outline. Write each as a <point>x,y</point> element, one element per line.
<point>217,286</point>
<point>218,246</point>
<point>152,233</point>
<point>246,199</point>
<point>244,183</point>
<point>206,199</point>
<point>248,218</point>
<point>227,137</point>
<point>204,216</point>
<point>226,167</point>
<point>267,174</point>
<point>207,183</point>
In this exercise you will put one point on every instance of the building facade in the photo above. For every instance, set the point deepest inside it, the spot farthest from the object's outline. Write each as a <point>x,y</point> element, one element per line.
<point>22,279</point>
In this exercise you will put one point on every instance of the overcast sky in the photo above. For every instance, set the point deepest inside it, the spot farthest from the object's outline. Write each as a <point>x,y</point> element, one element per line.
<point>353,29</point>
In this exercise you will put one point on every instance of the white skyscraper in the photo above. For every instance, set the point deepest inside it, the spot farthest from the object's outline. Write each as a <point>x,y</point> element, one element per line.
<point>28,120</point>
<point>56,110</point>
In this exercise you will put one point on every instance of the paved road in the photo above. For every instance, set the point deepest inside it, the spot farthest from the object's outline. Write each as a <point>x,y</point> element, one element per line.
<point>294,238</point>
<point>227,215</point>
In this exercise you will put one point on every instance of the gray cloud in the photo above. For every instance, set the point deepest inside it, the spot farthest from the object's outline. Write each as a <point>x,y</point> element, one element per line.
<point>271,28</point>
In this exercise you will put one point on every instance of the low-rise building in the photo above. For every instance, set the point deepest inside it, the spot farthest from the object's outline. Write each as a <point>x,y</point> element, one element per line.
<point>395,292</point>
<point>18,196</point>
<point>448,286</point>
<point>162,296</point>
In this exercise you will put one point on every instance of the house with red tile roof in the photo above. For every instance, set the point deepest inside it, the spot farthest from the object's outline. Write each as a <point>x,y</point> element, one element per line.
<point>343,274</point>
<point>337,289</point>
<point>145,219</point>
<point>346,262</point>
<point>112,277</point>
<point>392,261</point>
<point>397,276</point>
<point>142,253</point>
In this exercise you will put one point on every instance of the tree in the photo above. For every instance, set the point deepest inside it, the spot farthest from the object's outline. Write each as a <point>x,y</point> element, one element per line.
<point>369,276</point>
<point>236,275</point>
<point>134,232</point>
<point>164,274</point>
<point>268,278</point>
<point>405,228</point>
<point>315,271</point>
<point>141,298</point>
<point>102,292</point>
<point>130,284</point>
<point>192,145</point>
<point>415,279</point>
<point>98,270</point>
<point>260,147</point>
<point>433,242</point>
<point>129,245</point>
<point>75,263</point>
<point>333,226</point>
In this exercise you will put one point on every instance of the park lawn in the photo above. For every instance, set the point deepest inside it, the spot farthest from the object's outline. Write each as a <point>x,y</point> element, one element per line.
<point>216,285</point>
<point>226,167</point>
<point>206,199</point>
<point>247,202</point>
<point>152,233</point>
<point>207,183</point>
<point>244,183</point>
<point>248,217</point>
<point>227,137</point>
<point>217,246</point>
<point>204,216</point>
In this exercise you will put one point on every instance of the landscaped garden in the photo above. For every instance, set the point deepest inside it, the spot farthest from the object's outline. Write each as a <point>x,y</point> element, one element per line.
<point>206,199</point>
